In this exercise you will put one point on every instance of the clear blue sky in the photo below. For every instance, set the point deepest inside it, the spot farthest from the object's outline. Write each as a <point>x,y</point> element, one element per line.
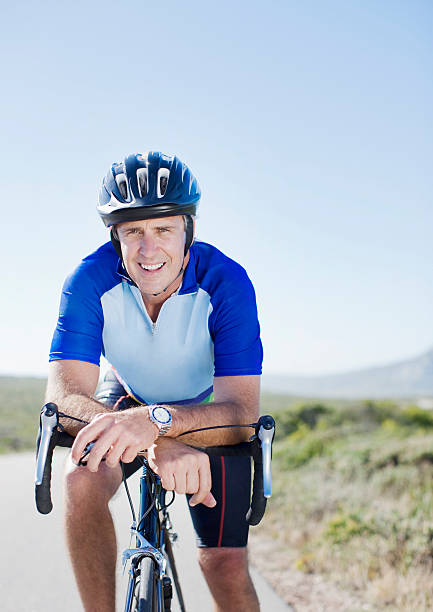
<point>309,126</point>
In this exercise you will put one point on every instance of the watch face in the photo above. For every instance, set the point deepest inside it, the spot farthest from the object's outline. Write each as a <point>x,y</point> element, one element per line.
<point>161,414</point>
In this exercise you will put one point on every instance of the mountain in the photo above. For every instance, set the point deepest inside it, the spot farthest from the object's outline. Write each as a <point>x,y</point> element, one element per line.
<point>413,377</point>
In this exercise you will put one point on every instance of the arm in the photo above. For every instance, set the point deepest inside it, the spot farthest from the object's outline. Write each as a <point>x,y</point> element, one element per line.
<point>122,435</point>
<point>71,385</point>
<point>236,402</point>
<point>185,469</point>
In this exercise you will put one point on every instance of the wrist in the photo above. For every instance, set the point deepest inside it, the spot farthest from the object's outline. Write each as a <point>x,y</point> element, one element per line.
<point>161,418</point>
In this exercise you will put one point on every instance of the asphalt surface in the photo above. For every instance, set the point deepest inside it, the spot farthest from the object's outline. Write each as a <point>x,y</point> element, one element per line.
<point>35,575</point>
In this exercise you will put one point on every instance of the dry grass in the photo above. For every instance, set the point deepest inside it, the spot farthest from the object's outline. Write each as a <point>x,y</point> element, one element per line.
<point>353,505</point>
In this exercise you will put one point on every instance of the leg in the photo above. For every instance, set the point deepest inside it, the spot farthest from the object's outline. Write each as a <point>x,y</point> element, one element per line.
<point>90,535</point>
<point>222,534</point>
<point>226,572</point>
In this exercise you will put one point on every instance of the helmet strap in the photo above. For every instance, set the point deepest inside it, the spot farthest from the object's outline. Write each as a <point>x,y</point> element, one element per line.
<point>115,242</point>
<point>189,233</point>
<point>174,279</point>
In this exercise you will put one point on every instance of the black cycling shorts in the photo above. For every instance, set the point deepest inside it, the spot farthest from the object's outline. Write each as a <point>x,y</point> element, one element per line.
<point>223,525</point>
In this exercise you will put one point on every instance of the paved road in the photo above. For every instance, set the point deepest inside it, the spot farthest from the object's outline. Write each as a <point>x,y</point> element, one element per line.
<point>34,570</point>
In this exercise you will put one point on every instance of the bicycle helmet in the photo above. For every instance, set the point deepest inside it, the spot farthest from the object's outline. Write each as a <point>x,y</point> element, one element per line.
<point>146,186</point>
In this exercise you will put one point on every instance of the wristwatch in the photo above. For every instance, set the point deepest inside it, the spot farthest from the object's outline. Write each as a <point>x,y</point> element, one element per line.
<point>161,416</point>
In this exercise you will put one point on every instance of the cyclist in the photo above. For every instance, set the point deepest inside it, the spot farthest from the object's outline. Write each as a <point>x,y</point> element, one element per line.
<point>177,321</point>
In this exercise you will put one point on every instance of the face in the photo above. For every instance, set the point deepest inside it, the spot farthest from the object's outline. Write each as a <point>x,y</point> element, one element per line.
<point>153,253</point>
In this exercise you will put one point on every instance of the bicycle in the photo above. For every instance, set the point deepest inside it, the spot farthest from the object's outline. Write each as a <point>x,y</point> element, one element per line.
<point>152,568</point>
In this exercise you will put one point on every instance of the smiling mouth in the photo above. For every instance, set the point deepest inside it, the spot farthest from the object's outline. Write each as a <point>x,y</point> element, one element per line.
<point>152,267</point>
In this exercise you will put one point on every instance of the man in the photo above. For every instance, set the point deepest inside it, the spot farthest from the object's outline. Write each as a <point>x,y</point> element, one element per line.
<point>178,323</point>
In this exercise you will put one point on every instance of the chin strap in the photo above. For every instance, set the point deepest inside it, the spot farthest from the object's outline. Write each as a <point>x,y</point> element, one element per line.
<point>181,271</point>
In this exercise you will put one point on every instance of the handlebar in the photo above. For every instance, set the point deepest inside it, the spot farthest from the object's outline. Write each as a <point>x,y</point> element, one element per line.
<point>259,448</point>
<point>49,437</point>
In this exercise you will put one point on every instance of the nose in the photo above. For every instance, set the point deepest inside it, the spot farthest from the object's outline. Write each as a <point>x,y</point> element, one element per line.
<point>147,244</point>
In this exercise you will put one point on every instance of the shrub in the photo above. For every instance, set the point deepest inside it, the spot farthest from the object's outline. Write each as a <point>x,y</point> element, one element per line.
<point>344,527</point>
<point>306,414</point>
<point>417,416</point>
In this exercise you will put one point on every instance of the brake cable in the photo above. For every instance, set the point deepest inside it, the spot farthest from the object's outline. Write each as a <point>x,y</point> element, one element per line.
<point>215,427</point>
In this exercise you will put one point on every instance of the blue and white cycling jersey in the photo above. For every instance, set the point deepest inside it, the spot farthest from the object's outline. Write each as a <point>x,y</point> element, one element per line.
<point>208,328</point>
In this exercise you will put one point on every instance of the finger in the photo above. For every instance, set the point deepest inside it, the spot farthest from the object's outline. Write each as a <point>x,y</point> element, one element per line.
<point>192,481</point>
<point>129,454</point>
<point>205,484</point>
<point>168,482</point>
<point>102,445</point>
<point>208,501</point>
<point>86,435</point>
<point>180,482</point>
<point>117,452</point>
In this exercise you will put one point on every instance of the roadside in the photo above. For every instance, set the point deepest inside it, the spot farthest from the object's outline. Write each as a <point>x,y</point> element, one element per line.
<point>302,592</point>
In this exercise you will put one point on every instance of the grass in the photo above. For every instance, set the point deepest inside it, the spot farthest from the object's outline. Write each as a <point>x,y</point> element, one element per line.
<point>20,402</point>
<point>353,497</point>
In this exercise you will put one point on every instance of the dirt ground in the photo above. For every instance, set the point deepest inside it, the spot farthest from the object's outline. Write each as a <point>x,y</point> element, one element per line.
<point>303,592</point>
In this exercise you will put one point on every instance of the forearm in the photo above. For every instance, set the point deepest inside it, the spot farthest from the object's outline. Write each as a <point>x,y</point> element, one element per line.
<point>71,385</point>
<point>77,405</point>
<point>197,416</point>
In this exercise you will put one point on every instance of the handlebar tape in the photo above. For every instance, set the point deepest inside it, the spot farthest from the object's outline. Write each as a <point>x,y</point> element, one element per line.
<point>44,503</point>
<point>43,491</point>
<point>258,500</point>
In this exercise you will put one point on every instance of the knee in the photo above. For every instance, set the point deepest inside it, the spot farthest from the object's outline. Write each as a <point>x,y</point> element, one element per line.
<point>83,487</point>
<point>227,563</point>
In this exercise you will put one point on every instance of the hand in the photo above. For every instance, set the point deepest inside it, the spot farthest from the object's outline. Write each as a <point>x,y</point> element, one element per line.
<point>117,436</point>
<point>182,469</point>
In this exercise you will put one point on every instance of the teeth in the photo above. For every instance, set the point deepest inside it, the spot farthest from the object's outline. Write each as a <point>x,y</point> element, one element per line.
<point>152,267</point>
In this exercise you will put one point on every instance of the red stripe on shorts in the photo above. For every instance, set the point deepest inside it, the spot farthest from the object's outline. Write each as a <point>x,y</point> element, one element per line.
<point>223,499</point>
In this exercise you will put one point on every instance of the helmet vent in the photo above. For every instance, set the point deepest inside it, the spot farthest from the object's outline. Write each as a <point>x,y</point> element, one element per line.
<point>162,182</point>
<point>142,181</point>
<point>122,184</point>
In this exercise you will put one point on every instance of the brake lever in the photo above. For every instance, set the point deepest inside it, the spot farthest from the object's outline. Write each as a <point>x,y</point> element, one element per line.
<point>48,423</point>
<point>266,435</point>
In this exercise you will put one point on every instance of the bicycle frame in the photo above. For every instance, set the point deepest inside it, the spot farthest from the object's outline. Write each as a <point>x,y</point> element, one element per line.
<point>149,534</point>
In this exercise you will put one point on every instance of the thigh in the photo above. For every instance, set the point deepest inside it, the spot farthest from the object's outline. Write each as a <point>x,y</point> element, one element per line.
<point>225,524</point>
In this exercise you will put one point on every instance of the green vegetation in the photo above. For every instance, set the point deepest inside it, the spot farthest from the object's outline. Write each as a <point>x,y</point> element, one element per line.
<point>20,402</point>
<point>353,496</point>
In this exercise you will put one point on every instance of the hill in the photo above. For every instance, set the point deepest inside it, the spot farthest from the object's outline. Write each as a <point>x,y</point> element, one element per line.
<point>409,378</point>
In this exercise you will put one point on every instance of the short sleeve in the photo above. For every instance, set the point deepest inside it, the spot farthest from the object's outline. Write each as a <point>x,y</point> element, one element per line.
<point>78,334</point>
<point>235,330</point>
